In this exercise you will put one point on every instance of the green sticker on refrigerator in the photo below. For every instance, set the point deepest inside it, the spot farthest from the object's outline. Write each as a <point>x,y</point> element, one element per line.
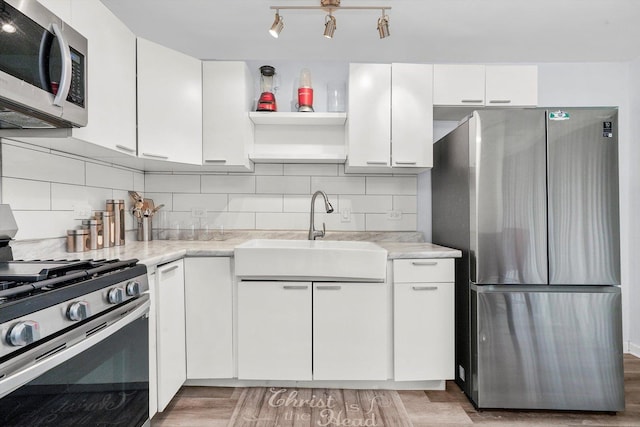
<point>559,115</point>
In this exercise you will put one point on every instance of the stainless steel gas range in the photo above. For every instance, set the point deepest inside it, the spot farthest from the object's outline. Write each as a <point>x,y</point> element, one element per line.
<point>73,342</point>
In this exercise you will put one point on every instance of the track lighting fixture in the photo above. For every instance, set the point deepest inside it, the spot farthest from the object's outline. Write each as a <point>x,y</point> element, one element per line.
<point>383,26</point>
<point>329,26</point>
<point>277,26</point>
<point>330,6</point>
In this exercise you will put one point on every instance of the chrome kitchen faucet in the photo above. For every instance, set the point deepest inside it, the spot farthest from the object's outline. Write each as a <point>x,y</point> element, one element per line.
<point>313,233</point>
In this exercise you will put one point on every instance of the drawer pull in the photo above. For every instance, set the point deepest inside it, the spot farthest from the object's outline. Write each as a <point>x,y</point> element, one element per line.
<point>292,287</point>
<point>169,269</point>
<point>371,162</point>
<point>156,156</point>
<point>471,101</point>
<point>127,149</point>
<point>500,101</point>
<point>424,263</point>
<point>425,288</point>
<point>215,161</point>
<point>406,163</point>
<point>329,288</point>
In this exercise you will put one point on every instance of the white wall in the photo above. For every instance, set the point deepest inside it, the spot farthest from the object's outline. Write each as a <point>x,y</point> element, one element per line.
<point>277,197</point>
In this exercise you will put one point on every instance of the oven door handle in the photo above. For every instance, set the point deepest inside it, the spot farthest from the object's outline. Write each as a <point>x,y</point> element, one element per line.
<point>23,375</point>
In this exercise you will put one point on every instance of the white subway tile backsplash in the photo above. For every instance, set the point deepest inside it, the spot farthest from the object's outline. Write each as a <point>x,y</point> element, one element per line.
<point>255,203</point>
<point>209,202</point>
<point>282,221</point>
<point>43,224</point>
<point>394,185</point>
<point>233,220</point>
<point>20,162</point>
<point>224,184</point>
<point>108,177</point>
<point>138,182</point>
<point>24,194</point>
<point>311,169</point>
<point>334,222</point>
<point>381,222</point>
<point>405,204</point>
<point>169,183</point>
<point>303,203</point>
<point>365,204</point>
<point>282,184</point>
<point>338,184</point>
<point>65,197</point>
<point>268,169</point>
<point>165,199</point>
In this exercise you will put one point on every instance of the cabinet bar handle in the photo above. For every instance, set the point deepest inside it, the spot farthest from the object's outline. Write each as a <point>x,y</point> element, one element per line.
<point>157,156</point>
<point>370,162</point>
<point>292,287</point>
<point>215,161</point>
<point>406,163</point>
<point>423,263</point>
<point>475,101</point>
<point>329,288</point>
<point>127,149</point>
<point>500,101</point>
<point>424,288</point>
<point>169,269</point>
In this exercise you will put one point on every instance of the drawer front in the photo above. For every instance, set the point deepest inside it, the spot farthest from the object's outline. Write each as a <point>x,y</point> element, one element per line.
<point>423,270</point>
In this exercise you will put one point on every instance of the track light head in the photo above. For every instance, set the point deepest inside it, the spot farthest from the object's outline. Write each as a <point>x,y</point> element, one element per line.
<point>329,26</point>
<point>277,26</point>
<point>383,26</point>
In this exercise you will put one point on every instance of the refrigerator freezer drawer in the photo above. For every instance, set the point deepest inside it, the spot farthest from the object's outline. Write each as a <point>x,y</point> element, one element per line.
<point>549,349</point>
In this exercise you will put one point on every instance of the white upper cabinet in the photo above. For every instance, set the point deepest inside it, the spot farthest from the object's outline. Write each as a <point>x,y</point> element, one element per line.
<point>390,122</point>
<point>112,77</point>
<point>480,85</point>
<point>412,115</point>
<point>169,104</point>
<point>508,85</point>
<point>227,136</point>
<point>458,84</point>
<point>369,119</point>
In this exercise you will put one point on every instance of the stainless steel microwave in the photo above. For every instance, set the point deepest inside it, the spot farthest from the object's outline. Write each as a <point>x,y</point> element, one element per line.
<point>43,69</point>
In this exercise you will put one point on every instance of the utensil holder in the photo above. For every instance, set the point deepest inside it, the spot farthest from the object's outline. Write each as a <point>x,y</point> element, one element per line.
<point>144,229</point>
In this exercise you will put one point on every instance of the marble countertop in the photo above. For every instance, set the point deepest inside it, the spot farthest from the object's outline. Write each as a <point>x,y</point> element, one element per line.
<point>156,252</point>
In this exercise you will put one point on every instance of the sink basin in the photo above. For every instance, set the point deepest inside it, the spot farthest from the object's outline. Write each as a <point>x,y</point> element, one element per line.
<point>322,260</point>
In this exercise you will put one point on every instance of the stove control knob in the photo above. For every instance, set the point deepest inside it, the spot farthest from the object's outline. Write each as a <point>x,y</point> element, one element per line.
<point>115,295</point>
<point>78,311</point>
<point>23,333</point>
<point>133,289</point>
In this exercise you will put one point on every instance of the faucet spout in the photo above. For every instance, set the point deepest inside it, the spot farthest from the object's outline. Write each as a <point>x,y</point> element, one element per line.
<point>313,233</point>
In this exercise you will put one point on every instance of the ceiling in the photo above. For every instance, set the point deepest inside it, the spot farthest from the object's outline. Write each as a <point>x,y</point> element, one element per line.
<point>437,31</point>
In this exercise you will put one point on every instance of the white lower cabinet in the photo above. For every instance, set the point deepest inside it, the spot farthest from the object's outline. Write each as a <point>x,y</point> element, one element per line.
<point>349,330</point>
<point>423,319</point>
<point>209,317</point>
<point>274,327</point>
<point>170,331</point>
<point>153,366</point>
<point>338,332</point>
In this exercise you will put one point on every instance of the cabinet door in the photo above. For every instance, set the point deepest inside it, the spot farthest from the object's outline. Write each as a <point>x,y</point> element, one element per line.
<point>423,331</point>
<point>349,331</point>
<point>512,85</point>
<point>171,359</point>
<point>209,317</point>
<point>112,82</point>
<point>169,104</point>
<point>153,369</point>
<point>458,84</point>
<point>227,130</point>
<point>274,331</point>
<point>412,115</point>
<point>369,119</point>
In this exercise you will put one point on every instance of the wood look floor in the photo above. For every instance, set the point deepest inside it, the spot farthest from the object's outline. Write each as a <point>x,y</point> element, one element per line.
<point>269,407</point>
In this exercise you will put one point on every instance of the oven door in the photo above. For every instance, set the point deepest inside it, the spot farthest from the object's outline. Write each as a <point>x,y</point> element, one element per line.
<point>94,375</point>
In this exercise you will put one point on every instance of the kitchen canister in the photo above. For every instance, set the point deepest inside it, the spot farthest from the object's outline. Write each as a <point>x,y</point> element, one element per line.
<point>78,240</point>
<point>117,207</point>
<point>144,229</point>
<point>108,227</point>
<point>95,232</point>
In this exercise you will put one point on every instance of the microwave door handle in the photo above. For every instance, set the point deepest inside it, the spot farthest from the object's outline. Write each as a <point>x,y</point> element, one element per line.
<point>65,78</point>
<point>43,60</point>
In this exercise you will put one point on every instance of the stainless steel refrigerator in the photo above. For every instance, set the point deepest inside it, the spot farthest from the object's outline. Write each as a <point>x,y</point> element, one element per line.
<point>530,196</point>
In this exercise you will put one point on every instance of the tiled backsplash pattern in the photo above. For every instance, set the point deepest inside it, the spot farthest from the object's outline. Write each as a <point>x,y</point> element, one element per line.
<point>43,187</point>
<point>278,197</point>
